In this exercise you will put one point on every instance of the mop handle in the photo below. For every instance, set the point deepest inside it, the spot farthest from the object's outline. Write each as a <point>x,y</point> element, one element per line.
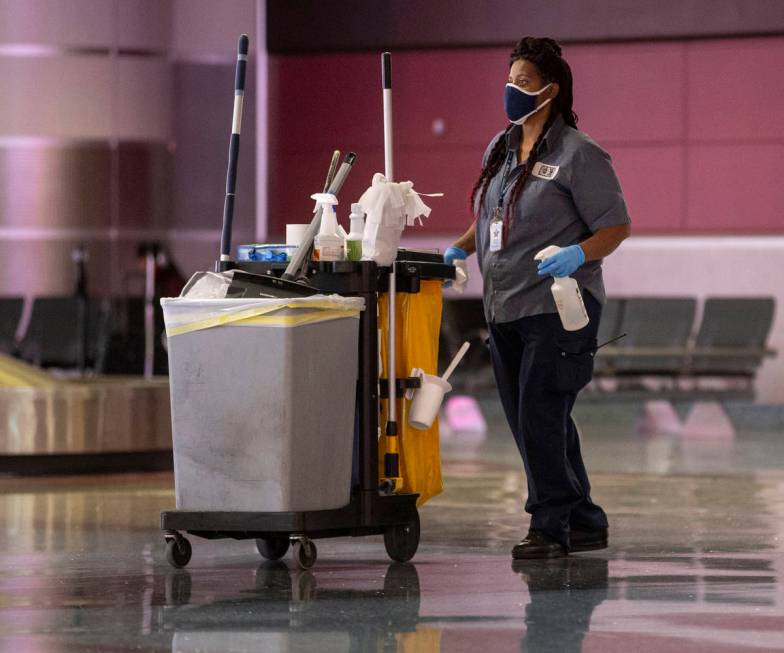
<point>333,168</point>
<point>456,361</point>
<point>234,147</point>
<point>386,81</point>
<point>386,85</point>
<point>299,260</point>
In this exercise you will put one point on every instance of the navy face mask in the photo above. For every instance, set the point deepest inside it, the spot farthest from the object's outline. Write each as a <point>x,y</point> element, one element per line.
<point>520,104</point>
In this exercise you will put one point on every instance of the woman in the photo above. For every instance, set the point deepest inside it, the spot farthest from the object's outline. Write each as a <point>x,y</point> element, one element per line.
<point>544,183</point>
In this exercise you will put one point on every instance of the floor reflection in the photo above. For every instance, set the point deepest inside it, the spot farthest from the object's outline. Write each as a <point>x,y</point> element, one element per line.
<point>571,588</point>
<point>696,564</point>
<point>286,610</point>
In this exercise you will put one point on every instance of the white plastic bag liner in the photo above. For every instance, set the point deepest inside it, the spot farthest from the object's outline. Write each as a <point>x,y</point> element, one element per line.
<point>183,314</point>
<point>207,285</point>
<point>263,395</point>
<point>389,207</point>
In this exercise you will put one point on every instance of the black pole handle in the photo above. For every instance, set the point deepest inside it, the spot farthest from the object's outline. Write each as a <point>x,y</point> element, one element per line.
<point>234,152</point>
<point>386,70</point>
<point>242,60</point>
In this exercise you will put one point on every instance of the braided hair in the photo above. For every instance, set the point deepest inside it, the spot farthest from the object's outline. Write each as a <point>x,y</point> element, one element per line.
<point>545,54</point>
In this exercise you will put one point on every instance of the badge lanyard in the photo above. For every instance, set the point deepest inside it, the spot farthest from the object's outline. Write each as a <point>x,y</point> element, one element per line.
<point>497,231</point>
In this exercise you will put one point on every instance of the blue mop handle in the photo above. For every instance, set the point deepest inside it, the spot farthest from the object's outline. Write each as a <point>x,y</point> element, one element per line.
<point>234,147</point>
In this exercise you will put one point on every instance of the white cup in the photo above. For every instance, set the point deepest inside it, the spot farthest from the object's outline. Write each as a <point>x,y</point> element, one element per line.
<point>295,233</point>
<point>427,401</point>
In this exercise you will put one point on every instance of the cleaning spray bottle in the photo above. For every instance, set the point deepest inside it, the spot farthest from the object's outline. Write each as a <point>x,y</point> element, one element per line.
<point>567,296</point>
<point>354,238</point>
<point>328,245</point>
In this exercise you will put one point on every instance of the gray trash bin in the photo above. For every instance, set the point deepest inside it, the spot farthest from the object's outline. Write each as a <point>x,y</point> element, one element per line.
<point>263,396</point>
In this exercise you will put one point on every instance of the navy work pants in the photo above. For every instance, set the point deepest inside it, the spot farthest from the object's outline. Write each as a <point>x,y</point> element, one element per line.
<point>539,368</point>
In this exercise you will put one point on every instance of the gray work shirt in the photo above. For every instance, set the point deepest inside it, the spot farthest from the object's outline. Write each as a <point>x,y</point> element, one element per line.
<point>562,204</point>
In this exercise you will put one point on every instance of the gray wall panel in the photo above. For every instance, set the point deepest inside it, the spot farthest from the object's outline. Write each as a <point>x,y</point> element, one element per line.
<point>44,267</point>
<point>204,99</point>
<point>208,29</point>
<point>121,151</point>
<point>69,185</point>
<point>54,185</point>
<point>198,251</point>
<point>145,182</point>
<point>66,22</point>
<point>54,196</point>
<point>145,24</point>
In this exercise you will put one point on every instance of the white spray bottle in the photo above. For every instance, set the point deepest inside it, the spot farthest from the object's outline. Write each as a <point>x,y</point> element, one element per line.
<point>328,245</point>
<point>567,296</point>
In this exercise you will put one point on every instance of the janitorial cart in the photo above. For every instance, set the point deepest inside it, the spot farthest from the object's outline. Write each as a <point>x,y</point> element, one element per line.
<point>278,395</point>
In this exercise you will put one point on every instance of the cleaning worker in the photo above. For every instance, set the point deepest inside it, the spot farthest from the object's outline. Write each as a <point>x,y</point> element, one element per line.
<point>544,183</point>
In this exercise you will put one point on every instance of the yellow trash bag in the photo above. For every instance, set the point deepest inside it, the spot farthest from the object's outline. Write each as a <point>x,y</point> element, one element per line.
<point>418,318</point>
<point>425,639</point>
<point>17,374</point>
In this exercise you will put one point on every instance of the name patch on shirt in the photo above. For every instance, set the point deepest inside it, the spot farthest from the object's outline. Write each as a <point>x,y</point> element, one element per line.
<point>544,171</point>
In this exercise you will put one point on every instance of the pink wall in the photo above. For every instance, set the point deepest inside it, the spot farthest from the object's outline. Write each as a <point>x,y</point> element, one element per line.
<point>694,128</point>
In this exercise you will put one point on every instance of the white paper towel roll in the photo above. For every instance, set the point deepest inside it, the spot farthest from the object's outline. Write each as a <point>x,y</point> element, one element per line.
<point>295,233</point>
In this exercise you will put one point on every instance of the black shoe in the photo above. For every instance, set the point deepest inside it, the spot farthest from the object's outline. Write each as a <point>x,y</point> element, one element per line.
<point>581,540</point>
<point>538,545</point>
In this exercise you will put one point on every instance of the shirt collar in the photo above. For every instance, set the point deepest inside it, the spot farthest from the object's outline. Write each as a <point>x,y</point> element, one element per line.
<point>551,136</point>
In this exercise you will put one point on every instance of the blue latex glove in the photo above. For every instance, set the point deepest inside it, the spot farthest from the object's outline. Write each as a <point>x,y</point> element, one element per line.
<point>562,264</point>
<point>453,253</point>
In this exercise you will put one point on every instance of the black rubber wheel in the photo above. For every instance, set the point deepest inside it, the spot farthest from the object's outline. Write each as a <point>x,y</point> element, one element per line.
<point>305,553</point>
<point>273,548</point>
<point>178,552</point>
<point>402,541</point>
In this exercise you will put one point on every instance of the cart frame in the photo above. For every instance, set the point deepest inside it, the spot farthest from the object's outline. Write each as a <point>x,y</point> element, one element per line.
<point>372,509</point>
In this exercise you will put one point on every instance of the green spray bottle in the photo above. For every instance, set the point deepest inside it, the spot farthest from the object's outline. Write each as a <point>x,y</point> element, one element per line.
<point>354,238</point>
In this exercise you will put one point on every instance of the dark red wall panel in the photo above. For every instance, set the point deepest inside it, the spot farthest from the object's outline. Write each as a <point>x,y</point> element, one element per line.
<point>736,90</point>
<point>693,127</point>
<point>653,182</point>
<point>735,188</point>
<point>630,93</point>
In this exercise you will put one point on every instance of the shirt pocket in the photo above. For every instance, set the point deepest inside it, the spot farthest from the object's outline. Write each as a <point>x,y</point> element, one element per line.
<point>573,363</point>
<point>535,207</point>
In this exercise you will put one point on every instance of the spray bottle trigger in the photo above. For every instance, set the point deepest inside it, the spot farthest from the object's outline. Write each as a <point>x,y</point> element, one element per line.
<point>546,252</point>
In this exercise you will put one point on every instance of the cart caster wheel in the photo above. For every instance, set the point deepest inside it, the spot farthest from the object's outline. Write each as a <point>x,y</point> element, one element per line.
<point>305,553</point>
<point>178,588</point>
<point>273,548</point>
<point>178,552</point>
<point>402,541</point>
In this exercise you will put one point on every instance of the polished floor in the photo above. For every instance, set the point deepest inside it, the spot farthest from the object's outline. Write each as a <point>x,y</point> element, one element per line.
<point>696,563</point>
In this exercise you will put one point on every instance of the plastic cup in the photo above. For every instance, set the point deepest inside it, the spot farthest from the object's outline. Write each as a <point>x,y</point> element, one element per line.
<point>427,401</point>
<point>295,233</point>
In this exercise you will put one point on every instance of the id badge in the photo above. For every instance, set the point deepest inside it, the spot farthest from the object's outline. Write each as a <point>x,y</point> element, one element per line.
<point>496,231</point>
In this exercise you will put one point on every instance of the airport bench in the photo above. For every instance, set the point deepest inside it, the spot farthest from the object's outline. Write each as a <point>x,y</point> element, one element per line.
<point>720,360</point>
<point>10,315</point>
<point>64,332</point>
<point>662,354</point>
